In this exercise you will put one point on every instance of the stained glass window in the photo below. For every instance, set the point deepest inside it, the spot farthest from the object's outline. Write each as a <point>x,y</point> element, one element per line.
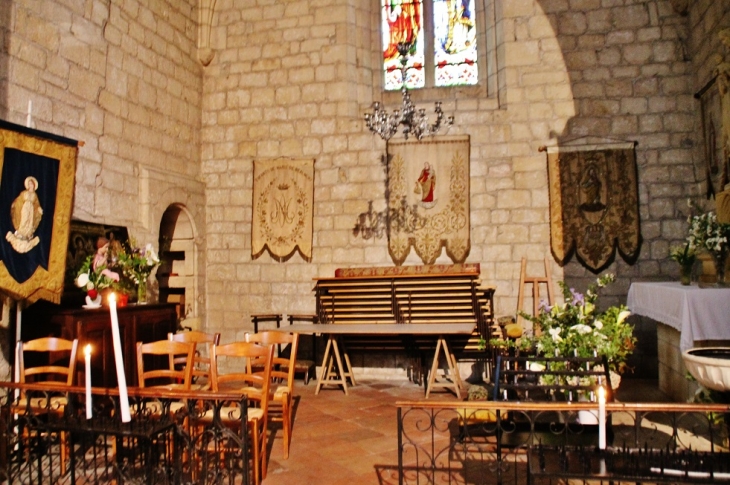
<point>452,41</point>
<point>403,23</point>
<point>455,46</point>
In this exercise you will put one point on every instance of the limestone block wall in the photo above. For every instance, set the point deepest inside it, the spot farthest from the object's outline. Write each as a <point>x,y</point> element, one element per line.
<point>123,78</point>
<point>294,80</point>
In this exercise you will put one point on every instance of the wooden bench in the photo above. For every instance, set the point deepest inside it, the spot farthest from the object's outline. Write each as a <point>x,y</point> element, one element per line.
<point>429,295</point>
<point>438,294</point>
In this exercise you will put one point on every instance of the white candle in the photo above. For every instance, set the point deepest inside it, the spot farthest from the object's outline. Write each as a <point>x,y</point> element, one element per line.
<point>30,110</point>
<point>601,418</point>
<point>87,358</point>
<point>119,361</point>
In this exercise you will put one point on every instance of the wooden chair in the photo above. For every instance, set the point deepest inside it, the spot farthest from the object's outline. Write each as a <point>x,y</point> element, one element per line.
<point>284,368</point>
<point>255,385</point>
<point>51,372</point>
<point>176,379</point>
<point>306,366</point>
<point>201,365</point>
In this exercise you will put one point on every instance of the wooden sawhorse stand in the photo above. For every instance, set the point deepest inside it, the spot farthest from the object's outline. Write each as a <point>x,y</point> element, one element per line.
<point>333,372</point>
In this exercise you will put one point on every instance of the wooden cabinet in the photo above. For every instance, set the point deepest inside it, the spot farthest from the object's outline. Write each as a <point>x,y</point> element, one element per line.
<point>137,323</point>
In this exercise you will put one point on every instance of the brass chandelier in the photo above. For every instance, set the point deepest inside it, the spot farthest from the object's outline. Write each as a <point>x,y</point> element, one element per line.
<point>414,121</point>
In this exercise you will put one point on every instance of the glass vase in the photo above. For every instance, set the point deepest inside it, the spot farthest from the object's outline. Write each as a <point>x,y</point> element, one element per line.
<point>720,259</point>
<point>142,293</point>
<point>685,274</point>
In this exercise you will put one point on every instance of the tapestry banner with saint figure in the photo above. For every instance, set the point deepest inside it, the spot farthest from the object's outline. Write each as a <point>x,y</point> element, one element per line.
<point>428,198</point>
<point>37,177</point>
<point>283,196</point>
<point>594,203</point>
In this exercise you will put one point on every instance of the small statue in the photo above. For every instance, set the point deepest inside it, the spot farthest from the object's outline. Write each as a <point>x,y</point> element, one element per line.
<point>102,254</point>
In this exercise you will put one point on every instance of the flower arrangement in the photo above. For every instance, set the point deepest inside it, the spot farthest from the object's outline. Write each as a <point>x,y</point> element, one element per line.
<point>706,233</point>
<point>124,269</point>
<point>93,280</point>
<point>576,328</point>
<point>137,264</point>
<point>683,255</point>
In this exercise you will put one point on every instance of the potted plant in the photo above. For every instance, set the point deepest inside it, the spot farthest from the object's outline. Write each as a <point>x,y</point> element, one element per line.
<point>577,328</point>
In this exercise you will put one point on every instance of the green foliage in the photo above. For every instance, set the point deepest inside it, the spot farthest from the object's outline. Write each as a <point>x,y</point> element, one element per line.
<point>684,255</point>
<point>576,328</point>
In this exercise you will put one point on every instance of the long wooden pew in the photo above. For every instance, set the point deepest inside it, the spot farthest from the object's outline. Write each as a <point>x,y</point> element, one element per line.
<point>434,294</point>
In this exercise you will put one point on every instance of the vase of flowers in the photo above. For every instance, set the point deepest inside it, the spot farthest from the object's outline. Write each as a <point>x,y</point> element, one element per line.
<point>137,264</point>
<point>94,280</point>
<point>707,234</point>
<point>576,328</point>
<point>685,257</point>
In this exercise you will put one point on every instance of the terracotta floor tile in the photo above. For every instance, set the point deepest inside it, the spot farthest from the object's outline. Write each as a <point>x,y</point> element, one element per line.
<point>348,440</point>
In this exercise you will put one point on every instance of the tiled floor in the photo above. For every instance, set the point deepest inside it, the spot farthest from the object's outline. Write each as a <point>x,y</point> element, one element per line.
<point>352,440</point>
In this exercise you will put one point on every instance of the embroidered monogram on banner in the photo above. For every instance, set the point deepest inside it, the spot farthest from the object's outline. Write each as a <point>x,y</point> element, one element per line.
<point>283,195</point>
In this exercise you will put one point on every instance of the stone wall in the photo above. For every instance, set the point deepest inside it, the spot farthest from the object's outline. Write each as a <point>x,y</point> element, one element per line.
<point>293,79</point>
<point>121,78</point>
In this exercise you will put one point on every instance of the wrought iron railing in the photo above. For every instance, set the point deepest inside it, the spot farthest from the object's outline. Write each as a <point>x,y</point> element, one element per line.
<point>174,437</point>
<point>512,443</point>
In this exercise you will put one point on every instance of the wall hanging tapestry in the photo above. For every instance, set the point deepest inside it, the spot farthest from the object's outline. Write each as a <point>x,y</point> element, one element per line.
<point>428,198</point>
<point>283,196</point>
<point>37,177</point>
<point>594,203</point>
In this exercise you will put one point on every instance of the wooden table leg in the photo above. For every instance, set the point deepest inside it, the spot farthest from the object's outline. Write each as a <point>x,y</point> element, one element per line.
<point>455,381</point>
<point>329,375</point>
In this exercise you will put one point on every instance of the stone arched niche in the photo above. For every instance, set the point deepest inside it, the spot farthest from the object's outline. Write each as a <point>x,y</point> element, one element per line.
<point>176,276</point>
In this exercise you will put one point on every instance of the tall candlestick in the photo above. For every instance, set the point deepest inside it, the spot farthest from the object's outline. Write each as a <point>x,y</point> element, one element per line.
<point>30,110</point>
<point>119,361</point>
<point>87,358</point>
<point>601,418</point>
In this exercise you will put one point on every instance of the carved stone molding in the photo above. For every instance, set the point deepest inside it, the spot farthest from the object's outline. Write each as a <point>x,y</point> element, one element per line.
<point>205,53</point>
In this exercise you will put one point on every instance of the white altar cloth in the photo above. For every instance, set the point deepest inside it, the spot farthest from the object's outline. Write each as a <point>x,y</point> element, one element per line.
<point>698,313</point>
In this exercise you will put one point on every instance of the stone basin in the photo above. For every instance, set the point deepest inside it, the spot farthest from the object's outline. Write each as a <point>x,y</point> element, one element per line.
<point>710,366</point>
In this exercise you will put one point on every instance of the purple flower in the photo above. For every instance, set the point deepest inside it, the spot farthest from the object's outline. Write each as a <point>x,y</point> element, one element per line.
<point>544,307</point>
<point>578,298</point>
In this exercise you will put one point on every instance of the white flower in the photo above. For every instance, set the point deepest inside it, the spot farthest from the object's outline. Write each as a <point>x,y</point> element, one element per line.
<point>555,333</point>
<point>536,367</point>
<point>82,280</point>
<point>623,316</point>
<point>90,286</point>
<point>151,255</point>
<point>598,324</point>
<point>581,328</point>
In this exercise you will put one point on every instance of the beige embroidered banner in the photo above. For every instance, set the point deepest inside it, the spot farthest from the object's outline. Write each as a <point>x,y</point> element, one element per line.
<point>594,203</point>
<point>428,198</point>
<point>283,196</point>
